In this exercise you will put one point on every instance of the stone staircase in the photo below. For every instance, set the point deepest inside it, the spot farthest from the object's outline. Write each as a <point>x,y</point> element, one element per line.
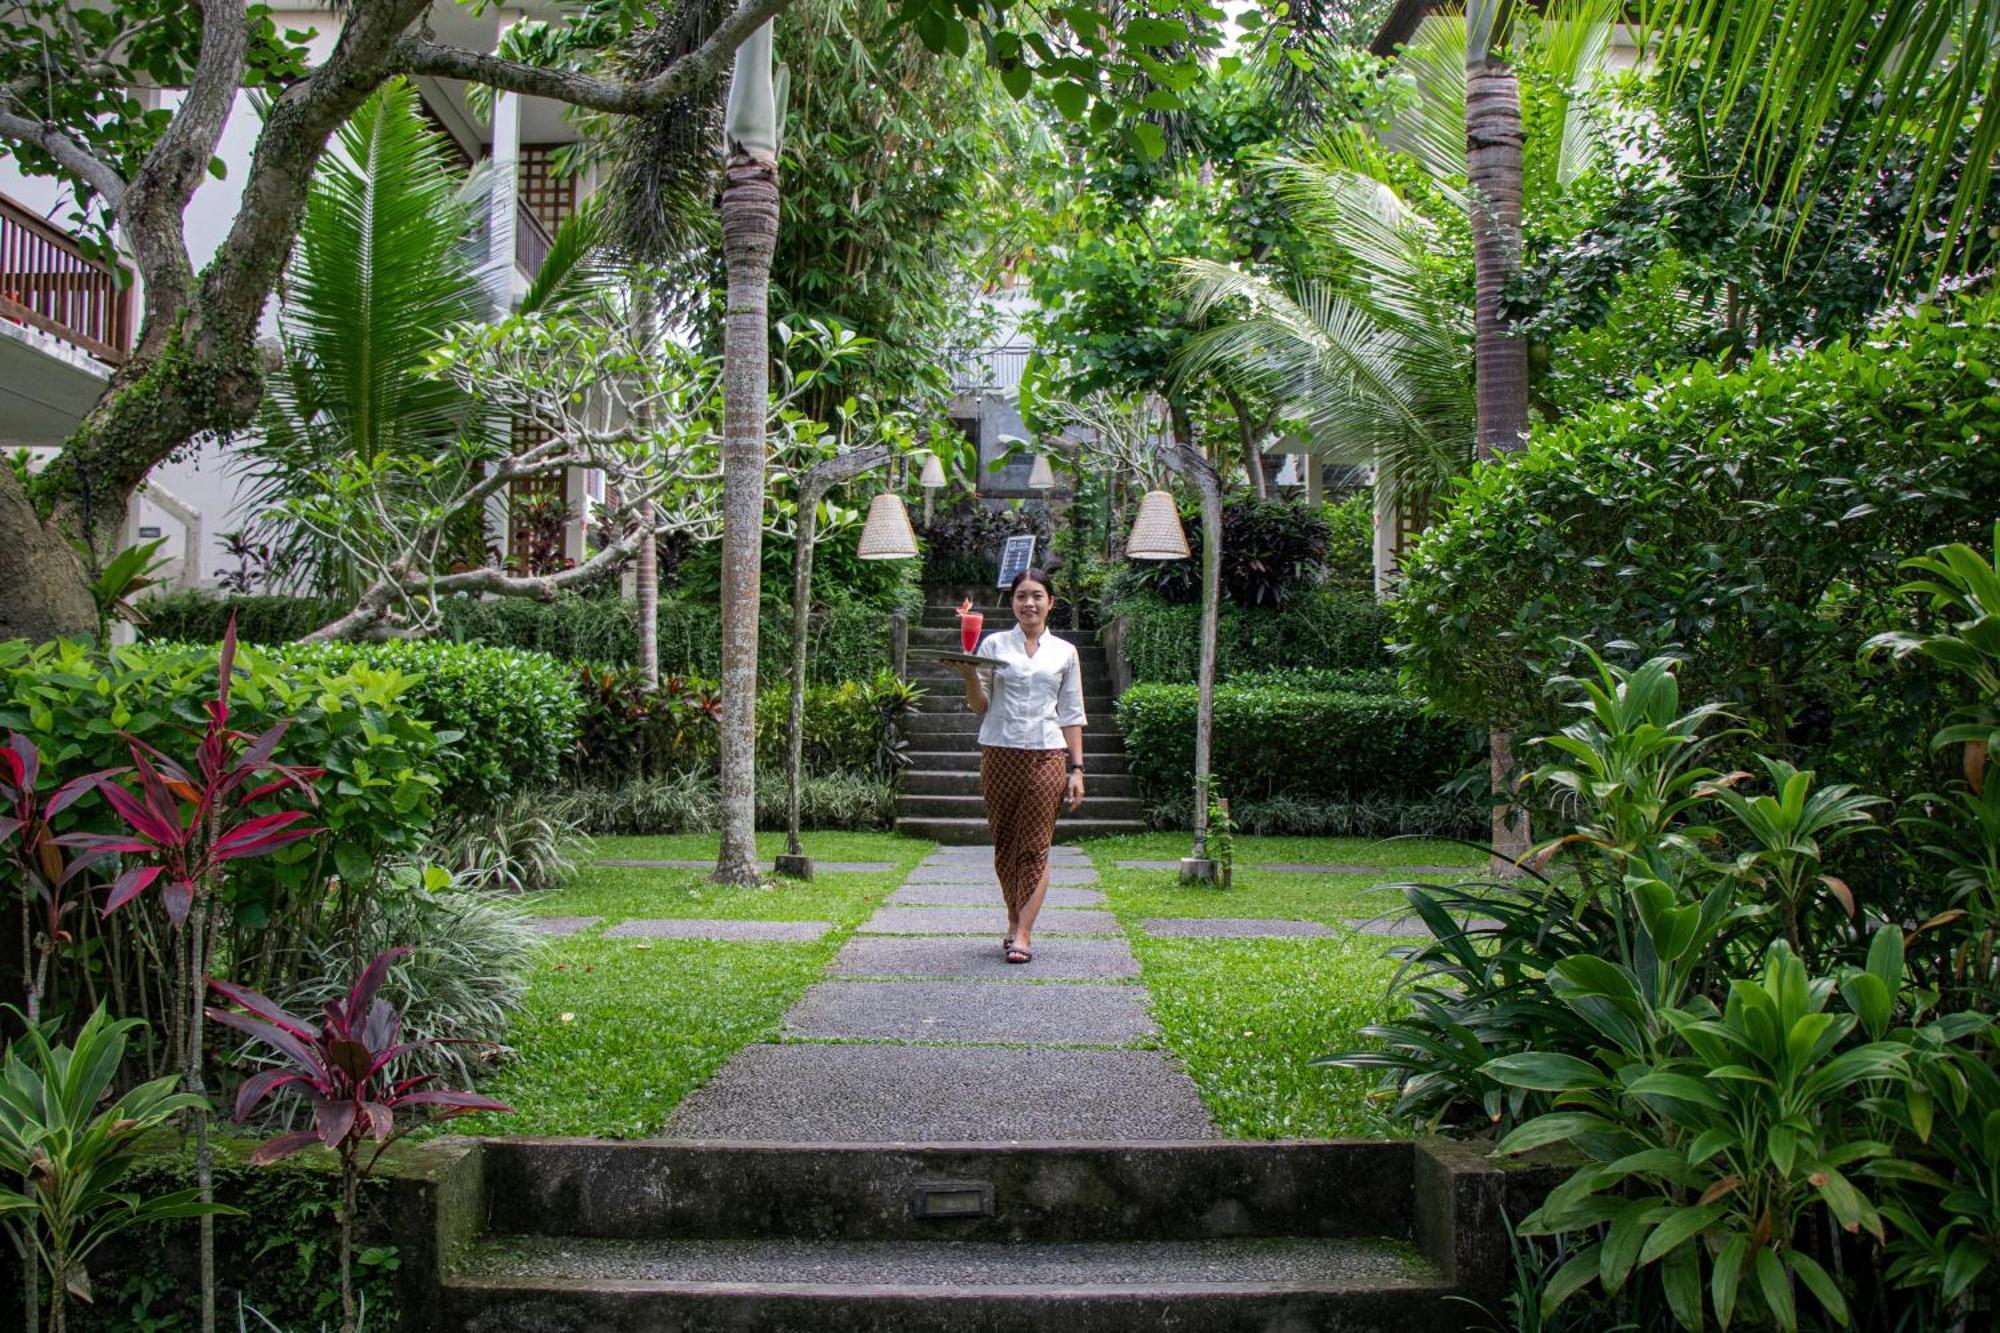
<point>940,794</point>
<point>577,1235</point>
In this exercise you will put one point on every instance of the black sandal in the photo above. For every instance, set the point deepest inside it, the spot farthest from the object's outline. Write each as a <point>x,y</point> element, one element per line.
<point>1016,954</point>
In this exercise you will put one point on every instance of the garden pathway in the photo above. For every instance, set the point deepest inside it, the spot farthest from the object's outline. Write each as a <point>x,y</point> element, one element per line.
<point>1056,1049</point>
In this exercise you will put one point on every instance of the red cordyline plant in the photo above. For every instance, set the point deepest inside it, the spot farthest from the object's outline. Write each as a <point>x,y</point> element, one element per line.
<point>28,837</point>
<point>183,826</point>
<point>342,1067</point>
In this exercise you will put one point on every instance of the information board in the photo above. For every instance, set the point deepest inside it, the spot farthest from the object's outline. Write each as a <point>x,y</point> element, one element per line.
<point>1017,556</point>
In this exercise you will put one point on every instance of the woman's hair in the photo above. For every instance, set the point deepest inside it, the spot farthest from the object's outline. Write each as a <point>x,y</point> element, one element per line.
<point>1040,576</point>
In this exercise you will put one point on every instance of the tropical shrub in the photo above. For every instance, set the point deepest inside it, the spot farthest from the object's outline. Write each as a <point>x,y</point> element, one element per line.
<point>1350,543</point>
<point>342,1067</point>
<point>509,718</point>
<point>1751,523</point>
<point>58,1132</point>
<point>963,540</point>
<point>1272,550</point>
<point>685,803</point>
<point>850,637</point>
<point>1313,817</point>
<point>520,847</point>
<point>1326,627</point>
<point>1272,740</point>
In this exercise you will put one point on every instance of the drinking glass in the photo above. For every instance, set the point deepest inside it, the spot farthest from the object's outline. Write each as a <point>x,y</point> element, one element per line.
<point>969,623</point>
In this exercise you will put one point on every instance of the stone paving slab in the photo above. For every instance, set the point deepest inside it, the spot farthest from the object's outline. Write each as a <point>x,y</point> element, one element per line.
<point>829,867</point>
<point>984,875</point>
<point>982,895</point>
<point>979,959</point>
<point>688,928</point>
<point>972,1011</point>
<point>896,920</point>
<point>1059,855</point>
<point>1237,927</point>
<point>901,1094</point>
<point>561,925</point>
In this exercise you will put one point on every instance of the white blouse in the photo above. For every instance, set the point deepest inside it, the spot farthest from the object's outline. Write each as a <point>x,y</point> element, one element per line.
<point>1031,699</point>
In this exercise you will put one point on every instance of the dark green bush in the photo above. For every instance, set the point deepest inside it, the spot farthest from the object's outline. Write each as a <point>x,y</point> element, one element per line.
<point>288,1238</point>
<point>963,540</point>
<point>1751,523</point>
<point>1281,741</point>
<point>1350,543</point>
<point>1323,628</point>
<point>685,803</point>
<point>1272,551</point>
<point>850,638</point>
<point>511,716</point>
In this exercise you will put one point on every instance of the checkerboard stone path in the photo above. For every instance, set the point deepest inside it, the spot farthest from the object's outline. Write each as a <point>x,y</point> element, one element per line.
<point>921,1032</point>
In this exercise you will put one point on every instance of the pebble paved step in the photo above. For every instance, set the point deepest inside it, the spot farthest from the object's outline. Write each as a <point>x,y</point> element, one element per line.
<point>966,760</point>
<point>972,807</point>
<point>968,832</point>
<point>973,1011</point>
<point>965,782</point>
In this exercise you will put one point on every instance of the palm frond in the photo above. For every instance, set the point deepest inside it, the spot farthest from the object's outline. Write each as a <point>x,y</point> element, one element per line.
<point>384,264</point>
<point>575,266</point>
<point>1824,73</point>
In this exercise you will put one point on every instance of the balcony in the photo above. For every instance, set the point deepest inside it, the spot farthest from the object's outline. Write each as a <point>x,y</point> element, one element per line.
<point>532,241</point>
<point>48,283</point>
<point>988,369</point>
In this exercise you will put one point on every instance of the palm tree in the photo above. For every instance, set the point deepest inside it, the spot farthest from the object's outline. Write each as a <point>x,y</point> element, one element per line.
<point>749,215</point>
<point>386,261</point>
<point>1816,69</point>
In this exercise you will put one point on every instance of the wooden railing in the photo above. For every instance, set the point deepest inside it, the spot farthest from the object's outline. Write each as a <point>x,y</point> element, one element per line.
<point>48,283</point>
<point>532,241</point>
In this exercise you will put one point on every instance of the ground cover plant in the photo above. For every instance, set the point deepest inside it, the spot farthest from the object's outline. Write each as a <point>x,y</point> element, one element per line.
<point>1248,1018</point>
<point>613,1032</point>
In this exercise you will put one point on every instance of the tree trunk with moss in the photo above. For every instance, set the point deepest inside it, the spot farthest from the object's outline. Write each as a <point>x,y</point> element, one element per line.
<point>1493,143</point>
<point>749,239</point>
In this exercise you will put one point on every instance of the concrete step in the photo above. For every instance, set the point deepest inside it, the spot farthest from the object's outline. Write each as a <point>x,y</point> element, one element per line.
<point>1103,734</point>
<point>965,759</point>
<point>1099,707</point>
<point>972,832</point>
<point>966,783</point>
<point>948,1286</point>
<point>917,806</point>
<point>949,637</point>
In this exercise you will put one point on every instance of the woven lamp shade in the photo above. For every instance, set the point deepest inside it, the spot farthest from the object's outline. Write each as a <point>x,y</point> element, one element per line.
<point>933,477</point>
<point>1157,533</point>
<point>887,534</point>
<point>1041,476</point>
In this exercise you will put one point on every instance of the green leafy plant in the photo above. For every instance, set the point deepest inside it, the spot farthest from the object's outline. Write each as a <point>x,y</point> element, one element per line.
<point>72,1149</point>
<point>1715,1138</point>
<point>124,577</point>
<point>1792,827</point>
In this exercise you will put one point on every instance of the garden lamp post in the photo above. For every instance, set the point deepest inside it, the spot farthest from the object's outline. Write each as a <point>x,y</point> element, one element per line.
<point>1157,535</point>
<point>814,483</point>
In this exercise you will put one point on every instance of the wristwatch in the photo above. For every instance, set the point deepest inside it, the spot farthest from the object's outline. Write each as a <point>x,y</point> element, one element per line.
<point>1075,767</point>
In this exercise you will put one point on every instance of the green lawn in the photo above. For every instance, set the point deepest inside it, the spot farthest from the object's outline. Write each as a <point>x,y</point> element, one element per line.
<point>1330,851</point>
<point>614,1032</point>
<point>1247,1016</point>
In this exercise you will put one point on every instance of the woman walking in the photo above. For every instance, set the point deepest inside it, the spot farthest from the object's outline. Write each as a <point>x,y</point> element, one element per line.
<point>1030,749</point>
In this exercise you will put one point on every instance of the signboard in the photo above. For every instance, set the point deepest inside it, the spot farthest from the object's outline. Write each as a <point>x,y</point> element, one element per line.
<point>1016,557</point>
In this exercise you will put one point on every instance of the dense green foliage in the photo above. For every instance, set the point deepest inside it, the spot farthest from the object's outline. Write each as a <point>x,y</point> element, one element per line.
<point>1287,740</point>
<point>685,802</point>
<point>1751,523</point>
<point>850,639</point>
<point>510,717</point>
<point>361,718</point>
<point>1325,627</point>
<point>1272,551</point>
<point>290,1223</point>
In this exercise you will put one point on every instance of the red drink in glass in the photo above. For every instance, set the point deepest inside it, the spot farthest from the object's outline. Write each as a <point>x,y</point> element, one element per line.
<point>969,623</point>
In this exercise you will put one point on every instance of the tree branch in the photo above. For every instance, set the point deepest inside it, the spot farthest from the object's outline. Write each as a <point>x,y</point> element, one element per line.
<point>708,61</point>
<point>26,129</point>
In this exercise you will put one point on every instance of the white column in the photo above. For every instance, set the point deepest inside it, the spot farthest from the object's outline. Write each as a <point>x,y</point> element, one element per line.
<point>506,167</point>
<point>1385,536</point>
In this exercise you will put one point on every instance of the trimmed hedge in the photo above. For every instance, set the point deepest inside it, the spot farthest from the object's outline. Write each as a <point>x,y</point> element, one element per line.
<point>1329,628</point>
<point>1282,741</point>
<point>686,803</point>
<point>1375,817</point>
<point>508,718</point>
<point>850,640</point>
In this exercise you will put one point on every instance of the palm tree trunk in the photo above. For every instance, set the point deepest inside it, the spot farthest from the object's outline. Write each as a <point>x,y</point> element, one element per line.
<point>749,239</point>
<point>1493,139</point>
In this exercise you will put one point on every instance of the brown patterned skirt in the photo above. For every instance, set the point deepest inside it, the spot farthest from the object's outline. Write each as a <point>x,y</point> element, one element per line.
<point>1024,791</point>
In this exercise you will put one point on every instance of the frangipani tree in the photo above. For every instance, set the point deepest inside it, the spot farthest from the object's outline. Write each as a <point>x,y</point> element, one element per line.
<point>604,396</point>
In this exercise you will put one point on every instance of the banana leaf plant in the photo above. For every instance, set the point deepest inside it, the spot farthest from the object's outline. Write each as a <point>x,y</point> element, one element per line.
<point>342,1066</point>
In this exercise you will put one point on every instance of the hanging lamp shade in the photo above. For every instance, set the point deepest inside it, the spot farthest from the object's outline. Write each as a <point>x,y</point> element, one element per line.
<point>887,534</point>
<point>1041,476</point>
<point>1157,533</point>
<point>933,477</point>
